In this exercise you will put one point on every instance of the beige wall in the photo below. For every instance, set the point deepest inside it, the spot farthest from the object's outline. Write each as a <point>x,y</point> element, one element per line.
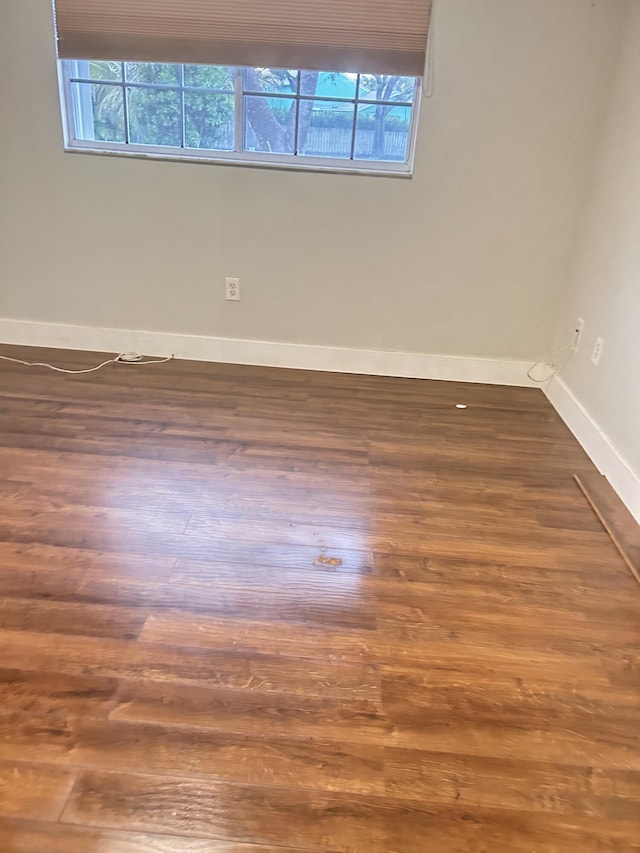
<point>468,258</point>
<point>606,277</point>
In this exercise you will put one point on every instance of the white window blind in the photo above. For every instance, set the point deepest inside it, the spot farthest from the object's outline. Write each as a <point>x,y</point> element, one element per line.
<point>376,36</point>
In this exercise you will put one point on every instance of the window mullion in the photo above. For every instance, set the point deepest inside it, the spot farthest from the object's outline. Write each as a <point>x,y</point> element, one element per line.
<point>238,134</point>
<point>125,104</point>
<point>297,118</point>
<point>182,119</point>
<point>355,120</point>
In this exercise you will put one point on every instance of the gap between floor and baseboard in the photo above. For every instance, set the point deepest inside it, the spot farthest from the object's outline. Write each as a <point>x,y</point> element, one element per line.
<point>620,525</point>
<point>268,353</point>
<point>341,360</point>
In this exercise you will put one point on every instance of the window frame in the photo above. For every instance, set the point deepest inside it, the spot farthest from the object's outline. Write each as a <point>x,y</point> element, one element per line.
<point>254,159</point>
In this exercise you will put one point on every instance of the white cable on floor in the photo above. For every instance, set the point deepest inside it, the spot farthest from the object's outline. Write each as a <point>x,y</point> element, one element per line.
<point>553,368</point>
<point>122,358</point>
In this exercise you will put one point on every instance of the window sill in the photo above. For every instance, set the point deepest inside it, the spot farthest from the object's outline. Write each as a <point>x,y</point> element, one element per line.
<point>266,161</point>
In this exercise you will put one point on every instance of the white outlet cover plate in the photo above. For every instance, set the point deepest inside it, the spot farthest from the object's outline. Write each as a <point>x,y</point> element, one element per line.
<point>232,289</point>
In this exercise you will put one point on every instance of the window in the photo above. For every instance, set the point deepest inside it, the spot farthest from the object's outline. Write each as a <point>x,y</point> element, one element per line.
<point>269,116</point>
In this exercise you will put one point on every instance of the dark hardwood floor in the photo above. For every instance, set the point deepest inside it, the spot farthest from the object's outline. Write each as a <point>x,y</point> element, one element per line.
<point>250,610</point>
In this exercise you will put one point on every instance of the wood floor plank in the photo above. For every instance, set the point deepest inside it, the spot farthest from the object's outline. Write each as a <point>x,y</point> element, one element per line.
<point>484,831</point>
<point>34,791</point>
<point>85,525</point>
<point>55,695</point>
<point>446,636</point>
<point>130,660</point>
<point>217,756</point>
<point>121,473</point>
<point>472,781</point>
<point>586,725</point>
<point>66,617</point>
<point>318,504</point>
<point>281,533</point>
<point>597,575</point>
<point>39,582</point>
<point>49,565</point>
<point>316,599</point>
<point>276,557</point>
<point>18,836</point>
<point>324,572</point>
<point>146,803</point>
<point>333,822</point>
<point>252,713</point>
<point>252,637</point>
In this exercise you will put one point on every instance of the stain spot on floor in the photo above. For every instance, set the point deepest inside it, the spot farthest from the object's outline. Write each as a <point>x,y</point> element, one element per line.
<point>328,561</point>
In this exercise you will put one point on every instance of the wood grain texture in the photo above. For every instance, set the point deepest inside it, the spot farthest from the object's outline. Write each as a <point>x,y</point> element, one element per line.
<point>64,617</point>
<point>318,765</point>
<point>21,836</point>
<point>129,660</point>
<point>249,610</point>
<point>472,782</point>
<point>333,822</point>
<point>251,637</point>
<point>33,694</point>
<point>308,601</point>
<point>33,791</point>
<point>252,713</point>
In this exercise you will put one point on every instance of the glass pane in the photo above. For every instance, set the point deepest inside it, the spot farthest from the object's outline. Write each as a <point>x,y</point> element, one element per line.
<point>209,77</point>
<point>98,112</point>
<point>328,84</point>
<point>155,117</point>
<point>382,87</point>
<point>102,70</point>
<point>280,81</point>
<point>382,132</point>
<point>325,129</point>
<point>269,124</point>
<point>209,121</point>
<point>152,72</point>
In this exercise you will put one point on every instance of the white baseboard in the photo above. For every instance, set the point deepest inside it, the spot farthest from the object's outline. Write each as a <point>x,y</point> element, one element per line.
<point>268,353</point>
<point>597,444</point>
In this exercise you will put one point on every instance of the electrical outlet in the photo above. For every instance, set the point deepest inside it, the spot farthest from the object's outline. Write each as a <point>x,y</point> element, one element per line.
<point>596,355</point>
<point>232,289</point>
<point>577,333</point>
